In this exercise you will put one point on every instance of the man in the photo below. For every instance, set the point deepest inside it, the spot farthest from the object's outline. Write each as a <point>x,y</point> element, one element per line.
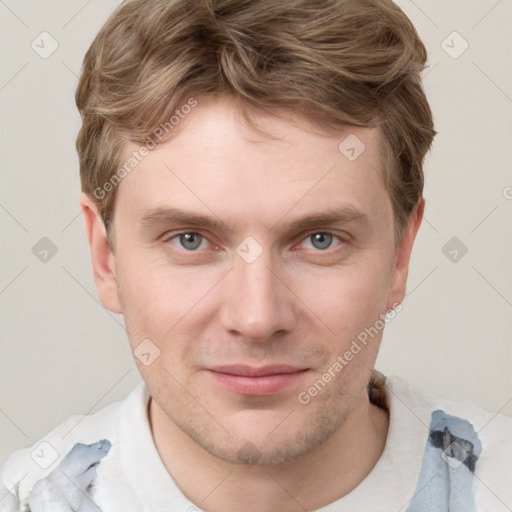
<point>252,188</point>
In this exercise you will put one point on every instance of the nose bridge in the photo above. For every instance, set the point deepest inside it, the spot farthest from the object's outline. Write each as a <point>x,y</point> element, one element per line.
<point>258,304</point>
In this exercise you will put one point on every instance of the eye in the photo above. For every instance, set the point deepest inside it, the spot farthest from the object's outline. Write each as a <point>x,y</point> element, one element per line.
<point>321,240</point>
<point>189,241</point>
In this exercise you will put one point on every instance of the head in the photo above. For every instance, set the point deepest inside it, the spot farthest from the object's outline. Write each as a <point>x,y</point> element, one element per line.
<point>252,186</point>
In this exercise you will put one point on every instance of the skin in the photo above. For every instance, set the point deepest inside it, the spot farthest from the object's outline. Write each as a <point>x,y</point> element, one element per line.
<point>296,304</point>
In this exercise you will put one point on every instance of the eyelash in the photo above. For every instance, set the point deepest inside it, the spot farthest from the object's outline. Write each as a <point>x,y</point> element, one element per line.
<point>329,250</point>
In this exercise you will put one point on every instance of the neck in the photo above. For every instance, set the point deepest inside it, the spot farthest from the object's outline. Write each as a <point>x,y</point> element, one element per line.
<point>316,479</point>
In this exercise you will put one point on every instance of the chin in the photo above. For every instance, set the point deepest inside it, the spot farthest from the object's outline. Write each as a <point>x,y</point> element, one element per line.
<point>267,444</point>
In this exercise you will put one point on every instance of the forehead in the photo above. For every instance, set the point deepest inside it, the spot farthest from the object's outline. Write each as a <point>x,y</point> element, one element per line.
<point>215,161</point>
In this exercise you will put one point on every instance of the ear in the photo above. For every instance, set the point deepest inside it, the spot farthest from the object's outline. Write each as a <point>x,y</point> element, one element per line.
<point>403,255</point>
<point>103,261</point>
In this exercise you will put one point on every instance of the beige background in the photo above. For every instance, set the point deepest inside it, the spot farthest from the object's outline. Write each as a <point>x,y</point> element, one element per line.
<point>62,353</point>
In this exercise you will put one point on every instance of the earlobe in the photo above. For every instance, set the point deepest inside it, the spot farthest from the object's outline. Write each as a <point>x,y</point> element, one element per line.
<point>403,255</point>
<point>103,261</point>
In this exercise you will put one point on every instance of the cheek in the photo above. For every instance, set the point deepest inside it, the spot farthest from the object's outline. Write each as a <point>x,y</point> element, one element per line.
<point>159,302</point>
<point>145,294</point>
<point>349,297</point>
<point>155,309</point>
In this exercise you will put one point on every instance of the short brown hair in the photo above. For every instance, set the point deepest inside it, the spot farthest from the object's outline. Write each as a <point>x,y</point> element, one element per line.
<point>337,62</point>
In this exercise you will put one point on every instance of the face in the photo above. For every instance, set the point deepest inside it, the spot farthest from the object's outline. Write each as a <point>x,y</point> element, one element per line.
<point>252,264</point>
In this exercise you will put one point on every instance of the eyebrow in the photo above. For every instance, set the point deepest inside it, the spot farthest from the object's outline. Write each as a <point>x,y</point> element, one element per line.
<point>169,215</point>
<point>338,215</point>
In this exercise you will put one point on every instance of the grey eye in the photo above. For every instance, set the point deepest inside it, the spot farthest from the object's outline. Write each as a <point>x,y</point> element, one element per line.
<point>321,240</point>
<point>190,241</point>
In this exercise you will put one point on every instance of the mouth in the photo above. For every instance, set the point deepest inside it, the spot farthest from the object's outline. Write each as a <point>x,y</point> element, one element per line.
<point>256,381</point>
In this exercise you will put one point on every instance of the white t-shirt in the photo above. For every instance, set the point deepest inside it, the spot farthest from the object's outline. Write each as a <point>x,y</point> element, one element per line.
<point>439,456</point>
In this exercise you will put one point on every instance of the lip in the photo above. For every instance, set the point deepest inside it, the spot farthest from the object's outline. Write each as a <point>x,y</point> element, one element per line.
<point>256,381</point>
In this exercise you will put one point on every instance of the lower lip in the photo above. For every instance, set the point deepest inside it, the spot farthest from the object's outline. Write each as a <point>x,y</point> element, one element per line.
<point>257,386</point>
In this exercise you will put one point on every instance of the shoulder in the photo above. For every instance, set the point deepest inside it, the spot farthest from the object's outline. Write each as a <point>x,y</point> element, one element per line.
<point>489,424</point>
<point>460,435</point>
<point>77,445</point>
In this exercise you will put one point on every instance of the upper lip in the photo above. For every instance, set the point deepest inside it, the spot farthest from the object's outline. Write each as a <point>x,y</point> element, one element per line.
<point>251,371</point>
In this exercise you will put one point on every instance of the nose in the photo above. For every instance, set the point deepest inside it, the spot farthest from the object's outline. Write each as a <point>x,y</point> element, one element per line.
<point>257,304</point>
